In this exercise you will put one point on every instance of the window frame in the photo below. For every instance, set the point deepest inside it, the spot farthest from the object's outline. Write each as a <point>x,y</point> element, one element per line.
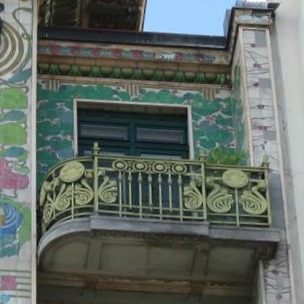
<point>137,108</point>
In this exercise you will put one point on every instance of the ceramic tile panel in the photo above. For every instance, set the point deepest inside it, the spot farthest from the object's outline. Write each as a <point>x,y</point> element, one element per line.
<point>238,102</point>
<point>212,117</point>
<point>261,114</point>
<point>16,202</point>
<point>259,90</point>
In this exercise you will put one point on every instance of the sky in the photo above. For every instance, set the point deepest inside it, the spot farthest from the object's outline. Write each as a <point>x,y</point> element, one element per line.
<point>202,17</point>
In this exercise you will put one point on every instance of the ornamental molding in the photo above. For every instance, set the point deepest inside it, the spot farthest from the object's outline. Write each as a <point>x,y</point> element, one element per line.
<point>207,64</point>
<point>138,52</point>
<point>87,60</point>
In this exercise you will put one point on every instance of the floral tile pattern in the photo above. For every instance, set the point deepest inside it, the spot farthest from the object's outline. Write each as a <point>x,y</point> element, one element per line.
<point>212,118</point>
<point>264,141</point>
<point>16,202</point>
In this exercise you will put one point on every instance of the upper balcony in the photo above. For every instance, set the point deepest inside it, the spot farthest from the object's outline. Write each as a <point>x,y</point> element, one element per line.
<point>123,14</point>
<point>142,219</point>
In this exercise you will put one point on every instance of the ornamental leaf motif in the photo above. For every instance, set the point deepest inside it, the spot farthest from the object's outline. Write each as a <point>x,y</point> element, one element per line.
<point>107,191</point>
<point>48,213</point>
<point>219,200</point>
<point>46,187</point>
<point>83,193</point>
<point>64,198</point>
<point>48,198</point>
<point>80,192</point>
<point>193,197</point>
<point>253,201</point>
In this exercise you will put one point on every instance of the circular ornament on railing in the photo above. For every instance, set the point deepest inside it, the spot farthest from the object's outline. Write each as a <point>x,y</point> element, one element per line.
<point>120,165</point>
<point>72,172</point>
<point>235,178</point>
<point>179,168</point>
<point>140,166</point>
<point>159,167</point>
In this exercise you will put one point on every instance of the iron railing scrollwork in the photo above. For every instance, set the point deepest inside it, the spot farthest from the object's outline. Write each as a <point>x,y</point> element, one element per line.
<point>183,190</point>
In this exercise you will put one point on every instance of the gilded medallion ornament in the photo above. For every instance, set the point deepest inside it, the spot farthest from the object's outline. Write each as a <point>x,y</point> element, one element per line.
<point>160,167</point>
<point>179,168</point>
<point>72,172</point>
<point>120,165</point>
<point>235,178</point>
<point>140,166</point>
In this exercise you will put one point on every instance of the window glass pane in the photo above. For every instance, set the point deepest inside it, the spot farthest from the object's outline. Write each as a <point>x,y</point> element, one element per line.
<point>104,131</point>
<point>160,135</point>
<point>87,152</point>
<point>130,133</point>
<point>161,156</point>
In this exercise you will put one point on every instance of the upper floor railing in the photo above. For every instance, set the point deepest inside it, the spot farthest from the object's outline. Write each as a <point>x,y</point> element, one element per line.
<point>160,189</point>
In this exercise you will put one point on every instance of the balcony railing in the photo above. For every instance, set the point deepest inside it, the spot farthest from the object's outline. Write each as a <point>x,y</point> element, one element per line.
<point>158,189</point>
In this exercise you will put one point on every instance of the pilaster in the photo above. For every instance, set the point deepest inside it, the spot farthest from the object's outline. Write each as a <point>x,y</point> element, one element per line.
<point>261,123</point>
<point>17,153</point>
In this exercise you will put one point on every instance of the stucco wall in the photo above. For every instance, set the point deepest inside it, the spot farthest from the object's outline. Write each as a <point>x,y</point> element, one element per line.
<point>288,49</point>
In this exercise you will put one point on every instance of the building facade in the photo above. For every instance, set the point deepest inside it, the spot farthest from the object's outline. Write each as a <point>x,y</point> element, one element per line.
<point>288,68</point>
<point>147,167</point>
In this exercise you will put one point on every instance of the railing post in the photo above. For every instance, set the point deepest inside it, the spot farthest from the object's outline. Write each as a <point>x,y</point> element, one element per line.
<point>265,162</point>
<point>265,165</point>
<point>202,159</point>
<point>202,156</point>
<point>96,154</point>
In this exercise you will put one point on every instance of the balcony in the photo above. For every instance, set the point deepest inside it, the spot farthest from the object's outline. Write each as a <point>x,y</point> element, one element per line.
<point>173,222</point>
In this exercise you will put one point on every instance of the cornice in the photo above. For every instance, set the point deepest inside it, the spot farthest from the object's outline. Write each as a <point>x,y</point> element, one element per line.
<point>133,63</point>
<point>134,59</point>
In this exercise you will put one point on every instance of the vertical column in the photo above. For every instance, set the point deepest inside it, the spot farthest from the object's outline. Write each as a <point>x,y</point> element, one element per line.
<point>17,153</point>
<point>260,96</point>
<point>238,100</point>
<point>273,285</point>
<point>288,53</point>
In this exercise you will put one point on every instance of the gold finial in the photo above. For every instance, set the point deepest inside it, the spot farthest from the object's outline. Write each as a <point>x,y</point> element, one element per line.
<point>96,149</point>
<point>202,155</point>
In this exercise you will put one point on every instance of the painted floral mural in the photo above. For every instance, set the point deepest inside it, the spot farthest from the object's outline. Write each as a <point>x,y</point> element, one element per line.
<point>16,203</point>
<point>212,118</point>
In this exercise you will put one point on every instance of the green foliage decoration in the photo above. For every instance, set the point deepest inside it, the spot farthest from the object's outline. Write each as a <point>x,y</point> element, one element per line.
<point>12,134</point>
<point>13,98</point>
<point>226,156</point>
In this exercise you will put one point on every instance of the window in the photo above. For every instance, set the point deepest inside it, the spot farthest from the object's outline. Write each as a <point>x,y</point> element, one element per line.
<point>150,131</point>
<point>134,133</point>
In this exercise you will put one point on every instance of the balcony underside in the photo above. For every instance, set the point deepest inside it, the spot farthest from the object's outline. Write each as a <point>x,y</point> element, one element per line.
<point>133,229</point>
<point>170,260</point>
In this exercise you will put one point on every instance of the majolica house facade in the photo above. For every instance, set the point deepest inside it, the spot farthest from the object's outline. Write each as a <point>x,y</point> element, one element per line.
<point>138,167</point>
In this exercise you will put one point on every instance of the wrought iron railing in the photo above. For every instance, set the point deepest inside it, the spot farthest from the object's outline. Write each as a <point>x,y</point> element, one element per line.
<point>182,190</point>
